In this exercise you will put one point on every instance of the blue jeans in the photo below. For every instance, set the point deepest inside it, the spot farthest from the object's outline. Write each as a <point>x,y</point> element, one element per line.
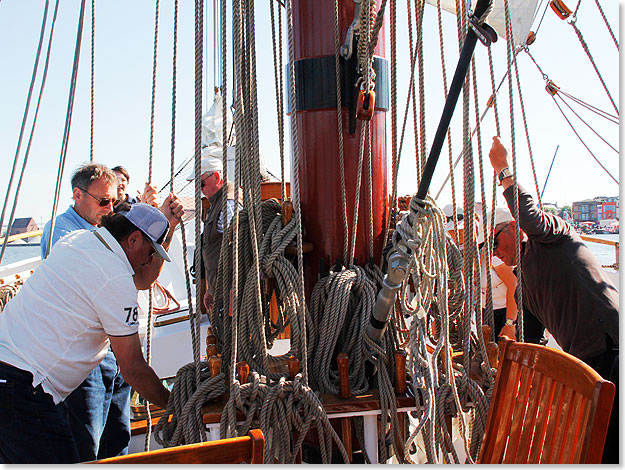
<point>32,428</point>
<point>98,412</point>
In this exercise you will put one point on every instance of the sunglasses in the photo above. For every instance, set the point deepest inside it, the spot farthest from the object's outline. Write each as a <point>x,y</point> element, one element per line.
<point>203,182</point>
<point>149,242</point>
<point>495,241</point>
<point>460,217</point>
<point>102,201</point>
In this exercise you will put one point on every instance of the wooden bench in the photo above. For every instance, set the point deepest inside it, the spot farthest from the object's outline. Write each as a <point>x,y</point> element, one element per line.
<point>246,449</point>
<point>547,407</point>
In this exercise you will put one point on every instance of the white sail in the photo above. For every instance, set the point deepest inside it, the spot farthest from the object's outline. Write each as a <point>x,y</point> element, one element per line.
<point>522,14</point>
<point>212,137</point>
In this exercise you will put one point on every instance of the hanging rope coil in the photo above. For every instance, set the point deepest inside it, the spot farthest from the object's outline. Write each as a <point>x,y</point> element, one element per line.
<point>279,409</point>
<point>179,424</point>
<point>8,291</point>
<point>340,308</point>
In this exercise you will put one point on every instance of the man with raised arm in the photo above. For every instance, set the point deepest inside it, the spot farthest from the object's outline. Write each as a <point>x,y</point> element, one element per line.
<point>149,196</point>
<point>83,298</point>
<point>564,285</point>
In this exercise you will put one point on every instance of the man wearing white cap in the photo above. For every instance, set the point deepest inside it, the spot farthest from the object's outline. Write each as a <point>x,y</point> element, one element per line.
<point>79,301</point>
<point>212,185</point>
<point>503,286</point>
<point>564,284</point>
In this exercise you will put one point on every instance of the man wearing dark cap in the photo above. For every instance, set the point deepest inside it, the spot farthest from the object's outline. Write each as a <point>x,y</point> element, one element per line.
<point>81,299</point>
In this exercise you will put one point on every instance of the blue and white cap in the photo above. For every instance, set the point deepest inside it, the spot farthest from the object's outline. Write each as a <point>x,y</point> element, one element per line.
<point>152,222</point>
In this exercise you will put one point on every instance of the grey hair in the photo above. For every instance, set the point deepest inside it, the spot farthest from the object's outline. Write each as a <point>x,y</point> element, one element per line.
<point>88,173</point>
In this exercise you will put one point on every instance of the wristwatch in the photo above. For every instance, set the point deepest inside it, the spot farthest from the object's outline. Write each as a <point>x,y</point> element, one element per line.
<point>503,174</point>
<point>510,322</point>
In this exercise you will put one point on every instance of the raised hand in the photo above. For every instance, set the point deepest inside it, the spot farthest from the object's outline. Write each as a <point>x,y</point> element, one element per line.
<point>173,210</point>
<point>150,195</point>
<point>498,155</point>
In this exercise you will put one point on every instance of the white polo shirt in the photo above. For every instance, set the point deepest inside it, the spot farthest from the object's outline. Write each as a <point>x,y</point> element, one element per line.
<point>499,288</point>
<point>57,326</point>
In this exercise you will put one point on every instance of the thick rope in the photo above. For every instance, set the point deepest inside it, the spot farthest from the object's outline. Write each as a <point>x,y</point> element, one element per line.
<point>525,127</point>
<point>486,258</point>
<point>339,124</point>
<point>419,13</point>
<point>194,314</point>
<point>92,78</point>
<point>278,77</point>
<point>449,146</point>
<point>515,209</point>
<point>340,308</point>
<point>150,165</point>
<point>8,291</point>
<point>397,152</point>
<point>68,122</point>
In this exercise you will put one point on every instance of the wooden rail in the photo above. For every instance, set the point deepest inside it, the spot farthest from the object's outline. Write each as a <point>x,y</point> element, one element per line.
<point>19,236</point>
<point>603,241</point>
<point>600,240</point>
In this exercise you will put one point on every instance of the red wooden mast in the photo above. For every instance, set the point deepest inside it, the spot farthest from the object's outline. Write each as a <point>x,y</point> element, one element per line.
<point>316,120</point>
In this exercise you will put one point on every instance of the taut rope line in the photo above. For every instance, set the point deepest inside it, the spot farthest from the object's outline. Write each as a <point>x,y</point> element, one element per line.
<point>32,130</point>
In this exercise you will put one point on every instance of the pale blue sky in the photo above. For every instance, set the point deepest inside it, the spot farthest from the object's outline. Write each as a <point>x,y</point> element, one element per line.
<point>124,46</point>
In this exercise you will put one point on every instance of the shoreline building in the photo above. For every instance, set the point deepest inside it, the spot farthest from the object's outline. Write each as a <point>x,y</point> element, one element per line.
<point>596,209</point>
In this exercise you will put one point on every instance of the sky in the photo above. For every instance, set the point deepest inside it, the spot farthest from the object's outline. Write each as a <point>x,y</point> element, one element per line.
<point>124,41</point>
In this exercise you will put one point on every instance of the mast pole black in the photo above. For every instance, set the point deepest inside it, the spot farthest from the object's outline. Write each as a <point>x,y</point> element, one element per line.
<point>454,91</point>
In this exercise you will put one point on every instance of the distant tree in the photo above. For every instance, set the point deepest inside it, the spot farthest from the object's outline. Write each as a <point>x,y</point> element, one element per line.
<point>551,210</point>
<point>568,211</point>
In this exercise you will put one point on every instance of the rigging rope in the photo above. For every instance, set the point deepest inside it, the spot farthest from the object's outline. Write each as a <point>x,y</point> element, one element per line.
<point>253,249</point>
<point>588,125</point>
<point>609,117</point>
<point>150,165</point>
<point>525,127</point>
<point>605,20</point>
<point>279,87</point>
<point>572,22</point>
<point>339,123</point>
<point>397,153</point>
<point>582,141</point>
<point>515,208</point>
<point>68,121</point>
<point>32,130</point>
<point>92,78</point>
<point>194,314</point>
<point>419,12</point>
<point>485,259</point>
<point>586,105</point>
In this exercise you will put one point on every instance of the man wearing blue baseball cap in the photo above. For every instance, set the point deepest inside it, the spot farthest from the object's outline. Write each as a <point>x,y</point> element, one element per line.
<point>81,299</point>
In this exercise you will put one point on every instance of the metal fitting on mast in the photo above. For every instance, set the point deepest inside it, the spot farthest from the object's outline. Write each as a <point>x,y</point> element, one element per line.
<point>397,271</point>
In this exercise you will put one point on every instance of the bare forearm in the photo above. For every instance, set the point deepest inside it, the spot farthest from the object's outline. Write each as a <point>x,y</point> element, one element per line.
<point>511,308</point>
<point>144,380</point>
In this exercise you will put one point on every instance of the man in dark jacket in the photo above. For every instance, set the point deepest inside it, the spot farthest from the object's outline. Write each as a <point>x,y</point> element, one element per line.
<point>212,186</point>
<point>564,284</point>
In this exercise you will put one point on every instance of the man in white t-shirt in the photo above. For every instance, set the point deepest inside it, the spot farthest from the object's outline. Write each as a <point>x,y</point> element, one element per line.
<point>82,298</point>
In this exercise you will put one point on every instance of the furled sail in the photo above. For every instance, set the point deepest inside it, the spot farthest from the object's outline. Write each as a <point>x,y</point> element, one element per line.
<point>212,136</point>
<point>522,14</point>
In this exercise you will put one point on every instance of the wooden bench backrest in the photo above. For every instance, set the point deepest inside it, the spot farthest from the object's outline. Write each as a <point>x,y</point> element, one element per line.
<point>547,407</point>
<point>248,449</point>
